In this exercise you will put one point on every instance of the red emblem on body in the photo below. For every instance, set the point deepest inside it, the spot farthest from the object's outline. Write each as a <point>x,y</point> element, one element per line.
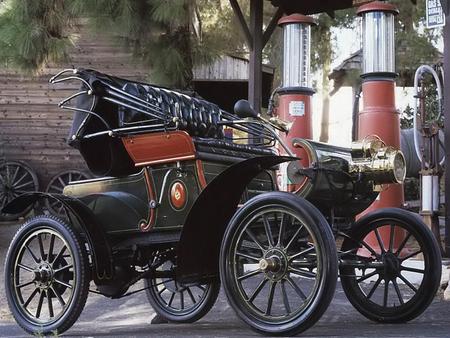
<point>178,195</point>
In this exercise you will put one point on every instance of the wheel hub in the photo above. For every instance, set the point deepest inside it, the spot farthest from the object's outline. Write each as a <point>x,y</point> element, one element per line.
<point>274,264</point>
<point>391,265</point>
<point>44,275</point>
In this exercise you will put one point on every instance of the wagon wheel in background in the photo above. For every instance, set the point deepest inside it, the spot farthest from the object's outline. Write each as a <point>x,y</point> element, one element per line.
<point>16,178</point>
<point>57,185</point>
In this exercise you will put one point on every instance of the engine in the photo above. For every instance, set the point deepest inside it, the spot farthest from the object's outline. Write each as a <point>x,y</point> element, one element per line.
<point>344,181</point>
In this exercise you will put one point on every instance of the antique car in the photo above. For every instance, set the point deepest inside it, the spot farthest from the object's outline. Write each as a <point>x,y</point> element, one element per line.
<point>187,199</point>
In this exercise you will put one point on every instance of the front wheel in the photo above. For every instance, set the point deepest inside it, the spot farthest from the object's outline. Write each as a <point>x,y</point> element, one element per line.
<point>46,276</point>
<point>391,266</point>
<point>278,264</point>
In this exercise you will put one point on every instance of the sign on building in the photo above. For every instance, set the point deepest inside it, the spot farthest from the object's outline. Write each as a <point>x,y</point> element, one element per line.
<point>435,14</point>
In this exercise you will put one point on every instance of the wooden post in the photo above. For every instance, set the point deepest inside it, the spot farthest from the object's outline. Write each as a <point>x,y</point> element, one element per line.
<point>255,69</point>
<point>447,130</point>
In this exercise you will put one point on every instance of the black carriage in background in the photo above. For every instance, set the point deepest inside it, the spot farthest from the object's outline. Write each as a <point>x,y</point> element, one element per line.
<point>184,204</point>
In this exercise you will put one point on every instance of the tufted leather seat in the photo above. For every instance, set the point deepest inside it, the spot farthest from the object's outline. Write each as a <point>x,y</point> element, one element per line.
<point>198,117</point>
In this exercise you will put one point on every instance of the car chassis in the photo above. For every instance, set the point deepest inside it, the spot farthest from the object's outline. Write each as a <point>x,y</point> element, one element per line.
<point>184,205</point>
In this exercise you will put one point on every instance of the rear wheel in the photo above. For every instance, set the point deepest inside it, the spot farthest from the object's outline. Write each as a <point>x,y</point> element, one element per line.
<point>177,302</point>
<point>46,276</point>
<point>393,280</point>
<point>278,264</point>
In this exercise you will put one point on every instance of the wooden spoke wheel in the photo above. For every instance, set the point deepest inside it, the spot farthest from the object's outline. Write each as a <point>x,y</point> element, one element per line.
<point>16,178</point>
<point>278,264</point>
<point>57,185</point>
<point>391,278</point>
<point>47,276</point>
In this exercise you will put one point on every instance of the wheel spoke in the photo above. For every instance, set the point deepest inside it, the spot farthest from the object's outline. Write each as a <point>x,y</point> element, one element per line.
<point>41,247</point>
<point>39,307</point>
<point>20,180</point>
<point>14,176</point>
<point>30,298</point>
<point>303,273</point>
<point>380,241</point>
<point>63,268</point>
<point>285,296</point>
<point>411,255</point>
<point>50,247</point>
<point>268,231</point>
<point>50,304</point>
<point>171,299</point>
<point>257,259</point>
<point>282,230</point>
<point>60,299</point>
<point>386,292</point>
<point>368,247</point>
<point>249,274</point>
<point>191,295</point>
<point>258,289</point>
<point>182,299</point>
<point>254,239</point>
<point>407,268</point>
<point>294,237</point>
<point>407,282</point>
<point>24,284</point>
<point>301,253</point>
<point>201,287</point>
<point>36,260</point>
<point>402,245</point>
<point>270,300</point>
<point>61,252</point>
<point>375,286</point>
<point>27,268</point>
<point>23,185</point>
<point>391,238</point>
<point>397,290</point>
<point>363,278</point>
<point>62,283</point>
<point>296,288</point>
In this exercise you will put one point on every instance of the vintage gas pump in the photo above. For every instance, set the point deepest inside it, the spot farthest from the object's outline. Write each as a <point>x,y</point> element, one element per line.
<point>379,115</point>
<point>294,96</point>
<point>426,127</point>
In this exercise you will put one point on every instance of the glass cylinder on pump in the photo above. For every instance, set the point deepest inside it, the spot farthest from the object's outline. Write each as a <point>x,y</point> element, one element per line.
<point>294,103</point>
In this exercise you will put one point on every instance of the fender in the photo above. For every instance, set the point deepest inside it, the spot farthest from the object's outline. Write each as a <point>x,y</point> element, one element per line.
<point>199,246</point>
<point>90,226</point>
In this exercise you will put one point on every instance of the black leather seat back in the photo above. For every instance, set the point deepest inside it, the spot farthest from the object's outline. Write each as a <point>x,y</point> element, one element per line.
<point>197,117</point>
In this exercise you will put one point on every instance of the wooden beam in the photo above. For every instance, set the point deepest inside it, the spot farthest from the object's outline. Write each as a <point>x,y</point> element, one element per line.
<point>272,25</point>
<point>255,67</point>
<point>238,12</point>
<point>447,133</point>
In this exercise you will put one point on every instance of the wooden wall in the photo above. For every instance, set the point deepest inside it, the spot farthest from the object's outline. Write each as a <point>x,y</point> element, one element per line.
<point>32,127</point>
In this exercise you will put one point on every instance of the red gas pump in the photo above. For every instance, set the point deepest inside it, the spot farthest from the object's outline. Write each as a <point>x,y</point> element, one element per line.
<point>379,115</point>
<point>294,102</point>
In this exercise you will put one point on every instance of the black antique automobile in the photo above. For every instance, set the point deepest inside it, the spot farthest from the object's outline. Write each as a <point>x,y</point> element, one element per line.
<point>184,203</point>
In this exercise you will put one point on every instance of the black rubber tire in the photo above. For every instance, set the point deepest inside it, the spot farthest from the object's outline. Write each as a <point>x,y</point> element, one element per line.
<point>318,228</point>
<point>195,312</point>
<point>431,277</point>
<point>81,280</point>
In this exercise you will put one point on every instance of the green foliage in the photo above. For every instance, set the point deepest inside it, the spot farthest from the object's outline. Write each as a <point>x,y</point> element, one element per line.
<point>34,32</point>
